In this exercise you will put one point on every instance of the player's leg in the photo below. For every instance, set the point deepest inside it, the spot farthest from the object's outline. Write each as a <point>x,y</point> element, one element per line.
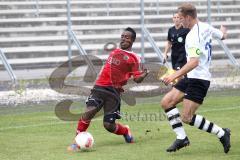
<point>85,119</point>
<point>191,103</point>
<point>117,128</point>
<point>93,105</point>
<point>83,124</point>
<point>189,117</point>
<point>111,113</point>
<point>168,104</point>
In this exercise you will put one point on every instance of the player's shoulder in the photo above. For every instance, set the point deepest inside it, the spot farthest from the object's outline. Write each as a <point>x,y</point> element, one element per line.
<point>185,29</point>
<point>117,50</point>
<point>133,56</point>
<point>193,37</point>
<point>128,52</point>
<point>203,27</point>
<point>172,28</point>
<point>192,34</point>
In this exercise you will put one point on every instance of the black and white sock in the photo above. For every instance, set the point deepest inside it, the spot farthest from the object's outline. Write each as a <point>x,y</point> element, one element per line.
<point>201,123</point>
<point>175,121</point>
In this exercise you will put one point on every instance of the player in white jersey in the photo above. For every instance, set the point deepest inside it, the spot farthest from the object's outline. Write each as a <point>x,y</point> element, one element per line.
<point>200,38</point>
<point>192,89</point>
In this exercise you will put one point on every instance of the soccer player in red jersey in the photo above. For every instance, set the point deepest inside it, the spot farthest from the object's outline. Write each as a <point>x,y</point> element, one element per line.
<point>121,65</point>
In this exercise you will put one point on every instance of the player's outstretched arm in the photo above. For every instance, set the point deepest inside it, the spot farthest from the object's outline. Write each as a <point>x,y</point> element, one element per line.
<point>142,76</point>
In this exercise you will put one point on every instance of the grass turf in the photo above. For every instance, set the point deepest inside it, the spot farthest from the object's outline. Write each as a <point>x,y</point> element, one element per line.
<point>35,132</point>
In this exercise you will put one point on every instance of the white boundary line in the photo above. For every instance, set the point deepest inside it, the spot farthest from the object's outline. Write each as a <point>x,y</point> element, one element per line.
<point>57,123</point>
<point>220,109</point>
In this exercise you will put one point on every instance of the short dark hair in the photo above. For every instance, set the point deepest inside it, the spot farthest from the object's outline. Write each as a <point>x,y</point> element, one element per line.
<point>129,29</point>
<point>188,9</point>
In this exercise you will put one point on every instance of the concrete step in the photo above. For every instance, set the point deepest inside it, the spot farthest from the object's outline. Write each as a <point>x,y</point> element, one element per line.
<point>59,12</point>
<point>94,29</point>
<point>85,39</point>
<point>44,73</point>
<point>106,20</point>
<point>103,2</point>
<point>25,36</point>
<point>95,49</point>
<point>51,62</point>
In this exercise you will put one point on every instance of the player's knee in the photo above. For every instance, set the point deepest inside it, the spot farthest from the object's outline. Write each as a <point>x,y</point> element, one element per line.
<point>109,126</point>
<point>186,118</point>
<point>166,103</point>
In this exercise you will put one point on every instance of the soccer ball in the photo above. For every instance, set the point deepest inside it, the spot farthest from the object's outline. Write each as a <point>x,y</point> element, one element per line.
<point>84,140</point>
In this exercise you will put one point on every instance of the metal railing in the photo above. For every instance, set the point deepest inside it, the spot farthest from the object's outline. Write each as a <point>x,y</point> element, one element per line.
<point>37,8</point>
<point>220,42</point>
<point>155,47</point>
<point>228,53</point>
<point>142,31</point>
<point>72,38</point>
<point>157,7</point>
<point>8,67</point>
<point>83,53</point>
<point>69,29</point>
<point>146,34</point>
<point>108,7</point>
<point>153,44</point>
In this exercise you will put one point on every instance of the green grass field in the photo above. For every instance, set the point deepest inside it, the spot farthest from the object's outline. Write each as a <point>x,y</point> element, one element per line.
<point>34,132</point>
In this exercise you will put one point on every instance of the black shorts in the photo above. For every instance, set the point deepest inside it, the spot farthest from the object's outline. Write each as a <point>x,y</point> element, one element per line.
<point>177,65</point>
<point>107,98</point>
<point>194,89</point>
<point>178,62</point>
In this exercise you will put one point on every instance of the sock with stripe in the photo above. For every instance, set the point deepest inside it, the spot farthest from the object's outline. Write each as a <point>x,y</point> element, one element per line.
<point>175,121</point>
<point>203,124</point>
<point>120,129</point>
<point>82,125</point>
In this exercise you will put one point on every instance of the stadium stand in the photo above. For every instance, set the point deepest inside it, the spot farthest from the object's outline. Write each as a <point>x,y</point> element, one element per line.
<point>35,37</point>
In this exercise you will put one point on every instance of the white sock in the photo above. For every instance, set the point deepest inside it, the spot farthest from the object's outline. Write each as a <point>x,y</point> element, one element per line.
<point>176,123</point>
<point>203,124</point>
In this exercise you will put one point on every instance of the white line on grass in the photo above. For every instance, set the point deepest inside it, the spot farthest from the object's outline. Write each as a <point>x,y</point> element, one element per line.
<point>57,123</point>
<point>220,109</point>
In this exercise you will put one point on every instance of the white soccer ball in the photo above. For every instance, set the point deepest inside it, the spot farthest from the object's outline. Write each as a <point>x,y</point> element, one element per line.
<point>84,140</point>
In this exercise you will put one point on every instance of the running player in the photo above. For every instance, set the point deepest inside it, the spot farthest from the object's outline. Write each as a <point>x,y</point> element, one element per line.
<point>193,88</point>
<point>121,65</point>
<point>176,42</point>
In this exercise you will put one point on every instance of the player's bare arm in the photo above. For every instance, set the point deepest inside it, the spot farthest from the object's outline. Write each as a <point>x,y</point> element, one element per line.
<point>142,76</point>
<point>190,65</point>
<point>166,50</point>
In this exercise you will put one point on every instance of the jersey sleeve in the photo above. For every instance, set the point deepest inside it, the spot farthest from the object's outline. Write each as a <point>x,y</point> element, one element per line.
<point>193,45</point>
<point>194,52</point>
<point>136,67</point>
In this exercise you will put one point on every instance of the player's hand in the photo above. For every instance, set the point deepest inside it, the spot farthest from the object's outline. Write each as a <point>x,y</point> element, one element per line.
<point>145,72</point>
<point>168,79</point>
<point>224,31</point>
<point>142,76</point>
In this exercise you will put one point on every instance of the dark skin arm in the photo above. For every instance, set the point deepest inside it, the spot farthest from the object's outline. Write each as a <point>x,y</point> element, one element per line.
<point>141,77</point>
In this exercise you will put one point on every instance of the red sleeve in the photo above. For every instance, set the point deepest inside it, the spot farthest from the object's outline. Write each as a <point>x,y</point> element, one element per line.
<point>136,67</point>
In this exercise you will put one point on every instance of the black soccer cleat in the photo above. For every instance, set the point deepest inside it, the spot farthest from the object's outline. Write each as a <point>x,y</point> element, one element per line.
<point>178,144</point>
<point>225,140</point>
